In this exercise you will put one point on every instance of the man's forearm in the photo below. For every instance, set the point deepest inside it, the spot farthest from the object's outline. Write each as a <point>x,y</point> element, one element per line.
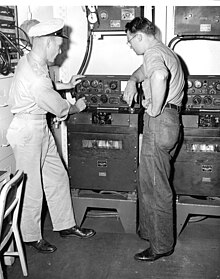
<point>138,75</point>
<point>63,86</point>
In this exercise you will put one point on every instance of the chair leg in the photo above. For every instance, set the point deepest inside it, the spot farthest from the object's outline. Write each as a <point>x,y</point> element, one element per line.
<point>1,272</point>
<point>20,251</point>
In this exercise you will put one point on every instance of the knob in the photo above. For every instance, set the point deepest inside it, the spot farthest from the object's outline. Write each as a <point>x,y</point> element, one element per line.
<point>94,99</point>
<point>113,85</point>
<point>207,100</point>
<point>107,90</point>
<point>104,99</point>
<point>197,100</point>
<point>85,83</point>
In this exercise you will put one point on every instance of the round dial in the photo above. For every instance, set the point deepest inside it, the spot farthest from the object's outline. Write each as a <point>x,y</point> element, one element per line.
<point>217,86</point>
<point>103,15</point>
<point>92,18</point>
<point>190,84</point>
<point>85,83</point>
<point>198,84</point>
<point>94,83</point>
<point>113,85</point>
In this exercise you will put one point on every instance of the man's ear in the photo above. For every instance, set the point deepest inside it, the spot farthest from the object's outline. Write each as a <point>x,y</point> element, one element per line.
<point>49,41</point>
<point>140,37</point>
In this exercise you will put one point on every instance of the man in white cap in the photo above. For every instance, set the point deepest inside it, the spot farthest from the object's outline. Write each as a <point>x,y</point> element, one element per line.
<point>31,97</point>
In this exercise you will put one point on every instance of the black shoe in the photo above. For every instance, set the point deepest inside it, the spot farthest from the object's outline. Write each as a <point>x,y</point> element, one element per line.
<point>148,255</point>
<point>42,246</point>
<point>78,232</point>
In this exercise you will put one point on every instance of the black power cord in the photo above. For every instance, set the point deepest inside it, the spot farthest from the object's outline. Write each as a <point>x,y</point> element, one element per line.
<point>5,59</point>
<point>5,65</point>
<point>88,51</point>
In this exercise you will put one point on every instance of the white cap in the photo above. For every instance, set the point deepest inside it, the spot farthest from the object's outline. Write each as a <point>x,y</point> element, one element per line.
<point>52,27</point>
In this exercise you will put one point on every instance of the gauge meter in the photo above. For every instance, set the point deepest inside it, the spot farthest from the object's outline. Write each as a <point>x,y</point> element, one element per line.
<point>218,86</point>
<point>103,15</point>
<point>197,84</point>
<point>190,84</point>
<point>92,18</point>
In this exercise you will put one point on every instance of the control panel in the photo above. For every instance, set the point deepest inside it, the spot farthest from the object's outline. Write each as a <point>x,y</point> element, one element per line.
<point>203,92</point>
<point>113,18</point>
<point>104,92</point>
<point>209,120</point>
<point>197,20</point>
<point>9,55</point>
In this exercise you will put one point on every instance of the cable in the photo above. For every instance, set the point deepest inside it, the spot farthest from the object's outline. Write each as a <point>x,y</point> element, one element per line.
<point>11,43</point>
<point>6,52</point>
<point>88,51</point>
<point>5,61</point>
<point>26,40</point>
<point>188,37</point>
<point>87,55</point>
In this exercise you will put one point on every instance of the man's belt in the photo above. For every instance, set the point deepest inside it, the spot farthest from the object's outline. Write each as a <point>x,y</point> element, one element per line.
<point>172,106</point>
<point>30,116</point>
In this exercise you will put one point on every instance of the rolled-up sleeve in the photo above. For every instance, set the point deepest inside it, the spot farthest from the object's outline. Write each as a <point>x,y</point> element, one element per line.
<point>154,62</point>
<point>48,99</point>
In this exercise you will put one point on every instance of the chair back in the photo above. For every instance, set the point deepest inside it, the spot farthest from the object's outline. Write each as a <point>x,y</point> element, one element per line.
<point>10,197</point>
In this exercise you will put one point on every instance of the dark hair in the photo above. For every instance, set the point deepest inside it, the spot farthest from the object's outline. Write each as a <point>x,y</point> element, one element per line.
<point>140,24</point>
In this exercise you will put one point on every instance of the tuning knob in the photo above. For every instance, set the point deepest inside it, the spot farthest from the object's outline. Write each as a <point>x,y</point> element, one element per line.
<point>94,99</point>
<point>113,85</point>
<point>207,100</point>
<point>104,99</point>
<point>197,100</point>
<point>85,83</point>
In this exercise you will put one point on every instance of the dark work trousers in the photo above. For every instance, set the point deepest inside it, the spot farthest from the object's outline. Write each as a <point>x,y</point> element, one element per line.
<point>160,138</point>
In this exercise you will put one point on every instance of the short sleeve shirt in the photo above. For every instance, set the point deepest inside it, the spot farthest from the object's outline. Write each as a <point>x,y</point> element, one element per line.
<point>32,89</point>
<point>161,58</point>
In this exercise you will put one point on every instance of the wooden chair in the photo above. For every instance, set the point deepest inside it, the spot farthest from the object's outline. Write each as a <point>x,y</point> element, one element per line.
<point>10,198</point>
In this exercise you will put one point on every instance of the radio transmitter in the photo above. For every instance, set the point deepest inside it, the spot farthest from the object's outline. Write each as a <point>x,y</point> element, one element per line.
<point>198,162</point>
<point>103,141</point>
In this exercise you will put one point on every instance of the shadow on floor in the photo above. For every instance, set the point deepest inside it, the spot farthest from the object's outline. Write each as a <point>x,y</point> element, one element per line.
<point>109,254</point>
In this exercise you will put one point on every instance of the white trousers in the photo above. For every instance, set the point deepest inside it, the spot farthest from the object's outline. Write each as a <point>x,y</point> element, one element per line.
<point>36,154</point>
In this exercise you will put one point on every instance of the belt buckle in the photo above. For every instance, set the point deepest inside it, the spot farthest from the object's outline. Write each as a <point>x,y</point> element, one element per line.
<point>168,105</point>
